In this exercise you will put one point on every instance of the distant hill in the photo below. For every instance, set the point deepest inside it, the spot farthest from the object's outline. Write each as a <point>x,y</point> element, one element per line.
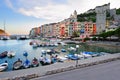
<point>87,17</point>
<point>3,33</point>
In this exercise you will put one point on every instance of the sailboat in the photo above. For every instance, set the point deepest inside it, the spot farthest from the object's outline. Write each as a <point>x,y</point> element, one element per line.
<point>5,36</point>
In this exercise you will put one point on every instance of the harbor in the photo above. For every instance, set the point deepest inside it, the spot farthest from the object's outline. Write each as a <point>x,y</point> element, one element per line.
<point>23,50</point>
<point>32,73</point>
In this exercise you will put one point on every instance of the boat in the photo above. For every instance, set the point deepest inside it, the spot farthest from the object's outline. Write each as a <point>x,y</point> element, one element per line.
<point>10,54</point>
<point>63,44</point>
<point>61,58</point>
<point>34,45</point>
<point>72,57</point>
<point>3,54</point>
<point>86,55</point>
<point>56,44</point>
<point>3,66</point>
<point>79,56</point>
<point>43,52</point>
<point>35,62</point>
<point>25,53</point>
<point>45,61</point>
<point>26,64</point>
<point>5,38</point>
<point>72,49</point>
<point>17,65</point>
<point>63,50</point>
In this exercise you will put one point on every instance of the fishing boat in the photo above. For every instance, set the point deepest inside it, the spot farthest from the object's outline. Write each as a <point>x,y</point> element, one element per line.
<point>3,54</point>
<point>17,65</point>
<point>35,62</point>
<point>3,66</point>
<point>10,54</point>
<point>26,64</point>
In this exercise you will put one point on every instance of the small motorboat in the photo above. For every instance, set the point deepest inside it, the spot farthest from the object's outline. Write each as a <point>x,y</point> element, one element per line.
<point>3,66</point>
<point>35,62</point>
<point>26,64</point>
<point>3,54</point>
<point>61,58</point>
<point>10,54</point>
<point>72,57</point>
<point>17,65</point>
<point>63,44</point>
<point>43,52</point>
<point>86,55</point>
<point>34,45</point>
<point>72,49</point>
<point>25,53</point>
<point>45,61</point>
<point>63,50</point>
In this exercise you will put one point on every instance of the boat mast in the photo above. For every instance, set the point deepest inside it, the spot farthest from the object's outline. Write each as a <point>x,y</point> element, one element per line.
<point>4,25</point>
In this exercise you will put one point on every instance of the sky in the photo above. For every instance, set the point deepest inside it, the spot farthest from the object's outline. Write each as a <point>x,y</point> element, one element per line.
<point>20,16</point>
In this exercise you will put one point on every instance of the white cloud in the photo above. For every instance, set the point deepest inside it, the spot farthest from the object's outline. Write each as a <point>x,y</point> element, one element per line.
<point>52,11</point>
<point>9,4</point>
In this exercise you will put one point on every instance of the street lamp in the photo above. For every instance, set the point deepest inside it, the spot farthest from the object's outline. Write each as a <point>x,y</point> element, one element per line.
<point>77,47</point>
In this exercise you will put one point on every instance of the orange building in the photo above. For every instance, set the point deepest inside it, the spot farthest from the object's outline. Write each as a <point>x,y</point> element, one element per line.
<point>94,29</point>
<point>62,30</point>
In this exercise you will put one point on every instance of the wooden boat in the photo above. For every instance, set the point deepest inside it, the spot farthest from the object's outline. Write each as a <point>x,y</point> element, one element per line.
<point>11,54</point>
<point>26,63</point>
<point>35,62</point>
<point>3,66</point>
<point>17,65</point>
<point>3,54</point>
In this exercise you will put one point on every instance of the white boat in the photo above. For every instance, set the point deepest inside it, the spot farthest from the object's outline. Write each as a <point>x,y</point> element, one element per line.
<point>72,49</point>
<point>11,54</point>
<point>79,55</point>
<point>34,45</point>
<point>61,58</point>
<point>3,66</point>
<point>86,55</point>
<point>56,44</point>
<point>63,44</point>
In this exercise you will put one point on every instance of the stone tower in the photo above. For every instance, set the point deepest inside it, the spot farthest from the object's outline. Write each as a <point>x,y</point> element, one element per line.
<point>101,17</point>
<point>75,14</point>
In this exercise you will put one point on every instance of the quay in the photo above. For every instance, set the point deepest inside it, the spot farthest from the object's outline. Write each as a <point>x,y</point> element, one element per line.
<point>32,73</point>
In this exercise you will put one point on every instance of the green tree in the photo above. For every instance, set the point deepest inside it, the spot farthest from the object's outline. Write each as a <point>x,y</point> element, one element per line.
<point>118,11</point>
<point>117,32</point>
<point>75,34</point>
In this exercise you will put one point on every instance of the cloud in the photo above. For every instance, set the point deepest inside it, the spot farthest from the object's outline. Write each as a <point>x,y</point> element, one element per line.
<point>9,4</point>
<point>54,10</point>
